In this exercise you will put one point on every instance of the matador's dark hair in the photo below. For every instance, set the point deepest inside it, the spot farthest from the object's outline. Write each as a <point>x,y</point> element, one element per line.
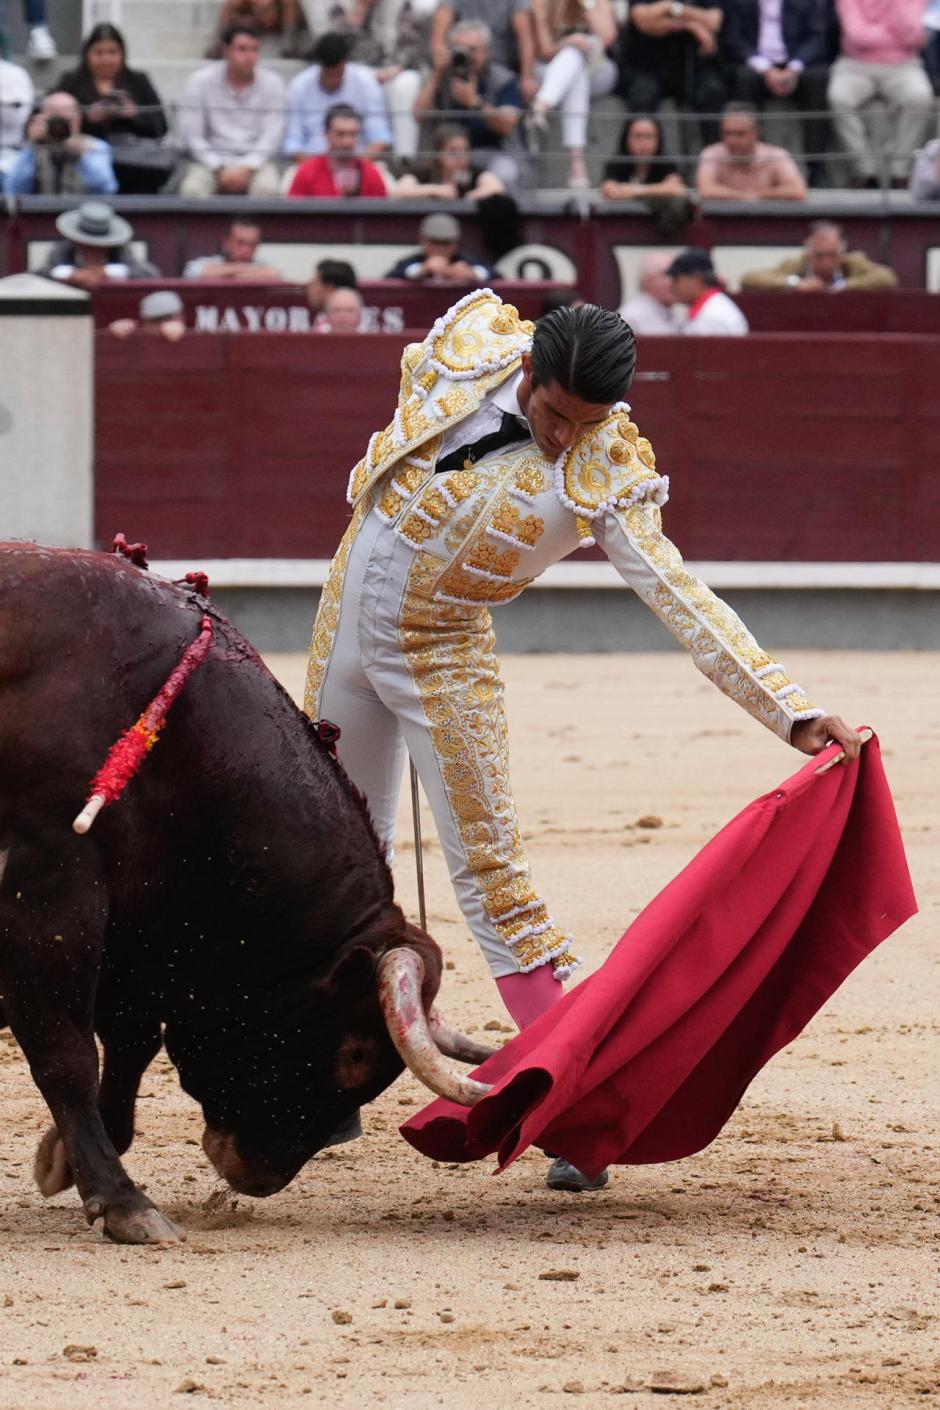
<point>588,351</point>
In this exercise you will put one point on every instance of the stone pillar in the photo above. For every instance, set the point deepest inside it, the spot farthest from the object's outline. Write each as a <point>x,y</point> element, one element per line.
<point>46,406</point>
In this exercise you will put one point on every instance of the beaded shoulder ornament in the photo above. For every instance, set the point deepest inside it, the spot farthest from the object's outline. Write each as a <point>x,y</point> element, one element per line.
<point>611,468</point>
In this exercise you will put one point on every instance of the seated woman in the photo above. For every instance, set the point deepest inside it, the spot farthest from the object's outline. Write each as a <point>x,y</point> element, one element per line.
<point>571,40</point>
<point>121,106</point>
<point>449,175</point>
<point>641,170</point>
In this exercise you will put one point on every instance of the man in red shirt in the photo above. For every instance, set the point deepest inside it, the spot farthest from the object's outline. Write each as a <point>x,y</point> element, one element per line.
<point>339,171</point>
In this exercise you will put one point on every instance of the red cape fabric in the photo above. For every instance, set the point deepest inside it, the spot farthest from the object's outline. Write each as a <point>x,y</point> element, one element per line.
<point>647,1059</point>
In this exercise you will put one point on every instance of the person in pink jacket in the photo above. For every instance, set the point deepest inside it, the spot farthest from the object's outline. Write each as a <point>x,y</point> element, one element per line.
<point>880,57</point>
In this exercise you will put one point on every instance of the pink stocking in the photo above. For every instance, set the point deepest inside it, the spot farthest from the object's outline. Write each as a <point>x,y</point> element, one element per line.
<point>527,996</point>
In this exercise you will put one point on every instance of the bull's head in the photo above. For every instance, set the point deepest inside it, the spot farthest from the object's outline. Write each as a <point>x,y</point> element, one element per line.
<point>371,1015</point>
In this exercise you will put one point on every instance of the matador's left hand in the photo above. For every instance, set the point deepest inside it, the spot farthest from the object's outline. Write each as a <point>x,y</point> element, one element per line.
<point>810,736</point>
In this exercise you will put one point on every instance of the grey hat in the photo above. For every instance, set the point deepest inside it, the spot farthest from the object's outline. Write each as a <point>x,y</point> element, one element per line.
<point>439,226</point>
<point>162,303</point>
<point>94,223</point>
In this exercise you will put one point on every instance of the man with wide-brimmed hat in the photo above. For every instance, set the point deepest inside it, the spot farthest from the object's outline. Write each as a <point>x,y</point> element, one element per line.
<point>95,247</point>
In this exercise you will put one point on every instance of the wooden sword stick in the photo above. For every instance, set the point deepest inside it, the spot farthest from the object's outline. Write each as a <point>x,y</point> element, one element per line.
<point>419,853</point>
<point>864,736</point>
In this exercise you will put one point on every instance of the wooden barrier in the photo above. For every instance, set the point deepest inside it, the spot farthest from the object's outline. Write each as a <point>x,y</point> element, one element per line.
<point>221,306</point>
<point>567,241</point>
<point>778,447</point>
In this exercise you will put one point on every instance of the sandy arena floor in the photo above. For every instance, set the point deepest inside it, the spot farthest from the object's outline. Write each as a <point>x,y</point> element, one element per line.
<point>791,1264</point>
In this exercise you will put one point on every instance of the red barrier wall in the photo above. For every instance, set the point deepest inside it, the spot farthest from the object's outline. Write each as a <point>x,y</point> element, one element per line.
<point>225,306</point>
<point>778,447</point>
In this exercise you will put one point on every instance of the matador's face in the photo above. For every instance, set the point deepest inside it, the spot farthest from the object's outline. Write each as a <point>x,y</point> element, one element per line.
<point>557,419</point>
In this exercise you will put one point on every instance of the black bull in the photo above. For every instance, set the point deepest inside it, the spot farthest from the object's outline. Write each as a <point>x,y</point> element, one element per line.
<point>234,904</point>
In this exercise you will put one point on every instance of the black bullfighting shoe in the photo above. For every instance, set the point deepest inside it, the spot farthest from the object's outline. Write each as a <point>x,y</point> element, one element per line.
<point>562,1175</point>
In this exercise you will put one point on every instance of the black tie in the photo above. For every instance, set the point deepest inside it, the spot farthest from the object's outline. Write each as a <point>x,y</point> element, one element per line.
<point>510,429</point>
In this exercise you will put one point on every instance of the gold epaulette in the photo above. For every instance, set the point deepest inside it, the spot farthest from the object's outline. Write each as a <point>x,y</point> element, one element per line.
<point>611,468</point>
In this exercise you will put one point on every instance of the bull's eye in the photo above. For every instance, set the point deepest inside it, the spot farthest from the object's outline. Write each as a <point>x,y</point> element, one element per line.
<point>355,1062</point>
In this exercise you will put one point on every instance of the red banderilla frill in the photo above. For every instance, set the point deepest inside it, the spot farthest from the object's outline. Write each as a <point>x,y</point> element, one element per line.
<point>127,755</point>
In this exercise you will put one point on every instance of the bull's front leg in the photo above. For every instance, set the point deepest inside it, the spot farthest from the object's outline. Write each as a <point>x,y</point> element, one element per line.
<point>52,924</point>
<point>130,1040</point>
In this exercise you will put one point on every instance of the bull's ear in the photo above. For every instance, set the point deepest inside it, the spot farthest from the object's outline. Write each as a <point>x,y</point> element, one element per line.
<point>353,974</point>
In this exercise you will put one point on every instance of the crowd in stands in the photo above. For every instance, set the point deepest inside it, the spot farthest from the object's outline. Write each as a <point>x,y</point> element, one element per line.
<point>461,97</point>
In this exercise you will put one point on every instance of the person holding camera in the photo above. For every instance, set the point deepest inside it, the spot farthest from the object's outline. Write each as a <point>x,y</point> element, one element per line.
<point>477,94</point>
<point>121,106</point>
<point>58,159</point>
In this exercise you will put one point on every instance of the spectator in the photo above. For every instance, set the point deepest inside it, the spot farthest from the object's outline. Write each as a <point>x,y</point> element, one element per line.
<point>641,169</point>
<point>16,104</point>
<point>40,46</point>
<point>160,312</point>
<point>231,121</point>
<point>571,42</point>
<point>121,106</point>
<point>510,38</point>
<point>778,49</point>
<point>330,81</point>
<point>339,171</point>
<point>651,308</point>
<point>879,57</point>
<point>392,38</point>
<point>824,266</point>
<point>236,258</point>
<point>932,45</point>
<point>342,312</point>
<point>711,312</point>
<point>440,255</point>
<point>94,249</point>
<point>925,178</point>
<point>670,49</point>
<point>268,17</point>
<point>742,168</point>
<point>449,175</point>
<point>328,274</point>
<point>482,97</point>
<point>58,160</point>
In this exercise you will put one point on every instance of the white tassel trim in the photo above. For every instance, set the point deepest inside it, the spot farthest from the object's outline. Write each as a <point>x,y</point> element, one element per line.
<point>429,519</point>
<point>528,931</point>
<point>485,573</point>
<point>518,911</point>
<point>517,347</point>
<point>458,601</point>
<point>508,538</point>
<point>814,714</point>
<point>656,489</point>
<point>524,495</point>
<point>785,690</point>
<point>770,670</point>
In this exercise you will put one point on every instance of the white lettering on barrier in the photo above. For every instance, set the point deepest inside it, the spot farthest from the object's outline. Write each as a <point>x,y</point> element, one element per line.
<point>279,318</point>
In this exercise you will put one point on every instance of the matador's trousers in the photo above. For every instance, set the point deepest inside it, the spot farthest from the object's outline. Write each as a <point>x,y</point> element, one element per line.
<point>399,671</point>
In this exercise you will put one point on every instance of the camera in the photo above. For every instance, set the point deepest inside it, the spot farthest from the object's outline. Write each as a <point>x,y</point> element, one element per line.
<point>57,130</point>
<point>460,64</point>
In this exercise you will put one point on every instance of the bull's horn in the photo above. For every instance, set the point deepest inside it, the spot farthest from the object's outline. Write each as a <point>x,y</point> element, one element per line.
<point>455,1044</point>
<point>401,972</point>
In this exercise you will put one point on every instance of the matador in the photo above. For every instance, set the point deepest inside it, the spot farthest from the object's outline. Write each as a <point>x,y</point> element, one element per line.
<point>510,447</point>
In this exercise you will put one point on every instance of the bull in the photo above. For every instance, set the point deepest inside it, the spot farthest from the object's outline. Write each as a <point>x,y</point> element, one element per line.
<point>234,905</point>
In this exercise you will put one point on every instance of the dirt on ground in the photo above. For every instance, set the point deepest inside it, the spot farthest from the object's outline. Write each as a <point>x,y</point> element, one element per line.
<point>792,1264</point>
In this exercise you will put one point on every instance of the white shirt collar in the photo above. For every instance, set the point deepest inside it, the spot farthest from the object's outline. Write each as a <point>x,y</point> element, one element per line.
<point>506,396</point>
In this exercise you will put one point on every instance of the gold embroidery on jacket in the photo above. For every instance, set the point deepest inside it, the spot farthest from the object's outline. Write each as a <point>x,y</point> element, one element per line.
<point>327,618</point>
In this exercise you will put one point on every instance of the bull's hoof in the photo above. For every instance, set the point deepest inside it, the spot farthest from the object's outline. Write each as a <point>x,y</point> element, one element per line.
<point>51,1169</point>
<point>125,1225</point>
